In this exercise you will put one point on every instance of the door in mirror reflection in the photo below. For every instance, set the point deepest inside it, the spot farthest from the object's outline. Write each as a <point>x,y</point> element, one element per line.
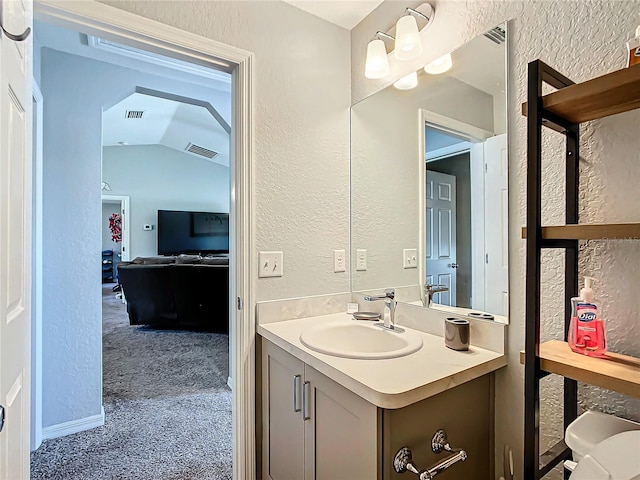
<point>440,244</point>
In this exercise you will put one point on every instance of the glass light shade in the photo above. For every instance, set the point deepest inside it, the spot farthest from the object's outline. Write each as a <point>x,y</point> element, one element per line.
<point>408,82</point>
<point>439,65</point>
<point>377,63</point>
<point>408,43</point>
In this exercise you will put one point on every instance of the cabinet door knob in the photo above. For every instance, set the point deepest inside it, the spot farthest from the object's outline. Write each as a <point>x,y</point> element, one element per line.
<point>306,401</point>
<point>297,383</point>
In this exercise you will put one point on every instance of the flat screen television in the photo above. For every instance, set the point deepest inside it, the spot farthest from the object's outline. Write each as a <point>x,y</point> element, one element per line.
<point>192,232</point>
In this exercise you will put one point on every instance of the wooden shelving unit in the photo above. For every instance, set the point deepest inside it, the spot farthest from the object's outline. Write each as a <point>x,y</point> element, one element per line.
<point>594,231</point>
<point>616,372</point>
<point>563,111</point>
<point>613,93</point>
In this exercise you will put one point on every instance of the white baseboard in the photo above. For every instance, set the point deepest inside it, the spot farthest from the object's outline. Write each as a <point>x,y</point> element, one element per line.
<point>229,383</point>
<point>73,426</point>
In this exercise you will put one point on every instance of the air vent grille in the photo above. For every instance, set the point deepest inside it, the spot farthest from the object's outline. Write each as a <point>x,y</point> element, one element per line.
<point>134,114</point>
<point>198,150</point>
<point>496,35</point>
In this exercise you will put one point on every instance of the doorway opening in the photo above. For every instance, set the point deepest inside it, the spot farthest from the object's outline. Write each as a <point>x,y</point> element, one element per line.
<point>119,25</point>
<point>465,224</point>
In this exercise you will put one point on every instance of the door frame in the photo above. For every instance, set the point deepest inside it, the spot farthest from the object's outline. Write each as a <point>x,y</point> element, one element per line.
<point>475,137</point>
<point>108,22</point>
<point>36,272</point>
<point>126,222</point>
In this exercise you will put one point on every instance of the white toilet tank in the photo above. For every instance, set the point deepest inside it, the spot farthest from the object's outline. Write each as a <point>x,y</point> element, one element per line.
<point>616,458</point>
<point>591,428</point>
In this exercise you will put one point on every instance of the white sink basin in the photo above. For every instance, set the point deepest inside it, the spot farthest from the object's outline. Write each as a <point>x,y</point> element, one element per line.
<point>360,340</point>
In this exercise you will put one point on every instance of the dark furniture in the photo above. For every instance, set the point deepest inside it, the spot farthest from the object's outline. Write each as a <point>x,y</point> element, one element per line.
<point>107,266</point>
<point>188,292</point>
<point>563,111</point>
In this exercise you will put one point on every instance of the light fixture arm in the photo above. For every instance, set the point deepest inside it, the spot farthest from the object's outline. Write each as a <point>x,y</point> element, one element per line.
<point>384,35</point>
<point>417,14</point>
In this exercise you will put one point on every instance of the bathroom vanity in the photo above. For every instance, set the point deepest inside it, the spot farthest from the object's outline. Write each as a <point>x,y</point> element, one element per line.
<point>326,417</point>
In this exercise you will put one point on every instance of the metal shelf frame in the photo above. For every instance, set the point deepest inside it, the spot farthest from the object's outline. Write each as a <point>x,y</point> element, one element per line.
<point>537,465</point>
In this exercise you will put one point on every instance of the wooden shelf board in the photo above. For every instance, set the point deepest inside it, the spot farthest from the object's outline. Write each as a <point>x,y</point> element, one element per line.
<point>616,372</point>
<point>600,97</point>
<point>593,231</point>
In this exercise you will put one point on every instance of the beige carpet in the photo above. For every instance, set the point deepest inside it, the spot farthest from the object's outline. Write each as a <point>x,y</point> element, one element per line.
<point>168,409</point>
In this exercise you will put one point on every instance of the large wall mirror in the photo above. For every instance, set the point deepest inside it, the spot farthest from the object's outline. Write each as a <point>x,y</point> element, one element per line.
<point>429,178</point>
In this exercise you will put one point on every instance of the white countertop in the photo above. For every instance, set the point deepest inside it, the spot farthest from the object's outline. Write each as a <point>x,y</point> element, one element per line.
<point>389,383</point>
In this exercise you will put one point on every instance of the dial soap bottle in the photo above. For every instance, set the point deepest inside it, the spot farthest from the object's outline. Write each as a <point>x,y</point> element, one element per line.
<point>586,329</point>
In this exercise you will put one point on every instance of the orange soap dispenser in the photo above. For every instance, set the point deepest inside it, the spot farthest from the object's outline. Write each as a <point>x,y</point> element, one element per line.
<point>586,329</point>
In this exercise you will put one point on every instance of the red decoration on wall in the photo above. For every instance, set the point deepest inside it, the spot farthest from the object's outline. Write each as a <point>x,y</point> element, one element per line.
<point>115,225</point>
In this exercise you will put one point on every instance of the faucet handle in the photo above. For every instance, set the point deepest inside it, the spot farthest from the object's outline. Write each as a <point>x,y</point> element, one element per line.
<point>390,293</point>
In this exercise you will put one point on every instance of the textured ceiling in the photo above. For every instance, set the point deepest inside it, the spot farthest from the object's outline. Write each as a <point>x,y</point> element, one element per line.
<point>346,14</point>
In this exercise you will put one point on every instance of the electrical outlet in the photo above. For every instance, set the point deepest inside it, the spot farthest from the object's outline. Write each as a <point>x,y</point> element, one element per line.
<point>410,257</point>
<point>270,264</point>
<point>361,260</point>
<point>339,261</point>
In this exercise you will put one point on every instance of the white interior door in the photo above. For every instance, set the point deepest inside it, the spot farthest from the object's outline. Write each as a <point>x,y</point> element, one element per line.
<point>15,239</point>
<point>496,220</point>
<point>440,244</point>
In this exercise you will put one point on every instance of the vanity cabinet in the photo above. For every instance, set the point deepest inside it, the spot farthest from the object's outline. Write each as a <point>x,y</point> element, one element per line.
<point>313,428</point>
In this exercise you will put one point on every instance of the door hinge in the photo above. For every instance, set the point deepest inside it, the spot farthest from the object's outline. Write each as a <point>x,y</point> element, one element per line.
<point>485,168</point>
<point>239,303</point>
<point>486,258</point>
<point>2,413</point>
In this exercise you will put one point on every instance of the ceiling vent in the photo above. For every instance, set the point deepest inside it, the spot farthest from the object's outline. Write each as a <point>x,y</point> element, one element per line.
<point>496,35</point>
<point>133,114</point>
<point>198,150</point>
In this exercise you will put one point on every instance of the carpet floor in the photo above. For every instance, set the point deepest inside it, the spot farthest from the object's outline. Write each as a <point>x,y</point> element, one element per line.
<point>167,407</point>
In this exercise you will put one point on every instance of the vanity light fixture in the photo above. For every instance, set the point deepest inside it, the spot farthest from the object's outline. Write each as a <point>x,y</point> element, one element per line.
<point>405,35</point>
<point>439,65</point>
<point>408,82</point>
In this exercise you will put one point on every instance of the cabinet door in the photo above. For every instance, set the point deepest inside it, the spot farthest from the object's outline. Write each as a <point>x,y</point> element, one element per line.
<point>283,427</point>
<point>341,432</point>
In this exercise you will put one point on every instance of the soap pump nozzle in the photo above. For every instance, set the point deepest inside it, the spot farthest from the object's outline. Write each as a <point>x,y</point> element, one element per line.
<point>586,293</point>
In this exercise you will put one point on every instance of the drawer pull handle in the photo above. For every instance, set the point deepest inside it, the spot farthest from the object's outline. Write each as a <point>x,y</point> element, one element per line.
<point>306,401</point>
<point>297,383</point>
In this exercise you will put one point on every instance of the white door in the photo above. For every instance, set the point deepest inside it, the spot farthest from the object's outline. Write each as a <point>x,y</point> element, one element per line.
<point>441,235</point>
<point>496,220</point>
<point>15,239</point>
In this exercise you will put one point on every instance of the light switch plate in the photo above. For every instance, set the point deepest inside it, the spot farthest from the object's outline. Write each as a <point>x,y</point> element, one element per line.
<point>270,264</point>
<point>339,261</point>
<point>410,257</point>
<point>361,259</point>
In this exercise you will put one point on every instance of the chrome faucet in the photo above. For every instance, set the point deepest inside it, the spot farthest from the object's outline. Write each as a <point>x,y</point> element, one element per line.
<point>389,297</point>
<point>430,291</point>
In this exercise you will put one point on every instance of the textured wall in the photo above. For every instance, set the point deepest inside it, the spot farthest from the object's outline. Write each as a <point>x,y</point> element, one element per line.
<point>155,178</point>
<point>302,130</point>
<point>75,91</point>
<point>582,40</point>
